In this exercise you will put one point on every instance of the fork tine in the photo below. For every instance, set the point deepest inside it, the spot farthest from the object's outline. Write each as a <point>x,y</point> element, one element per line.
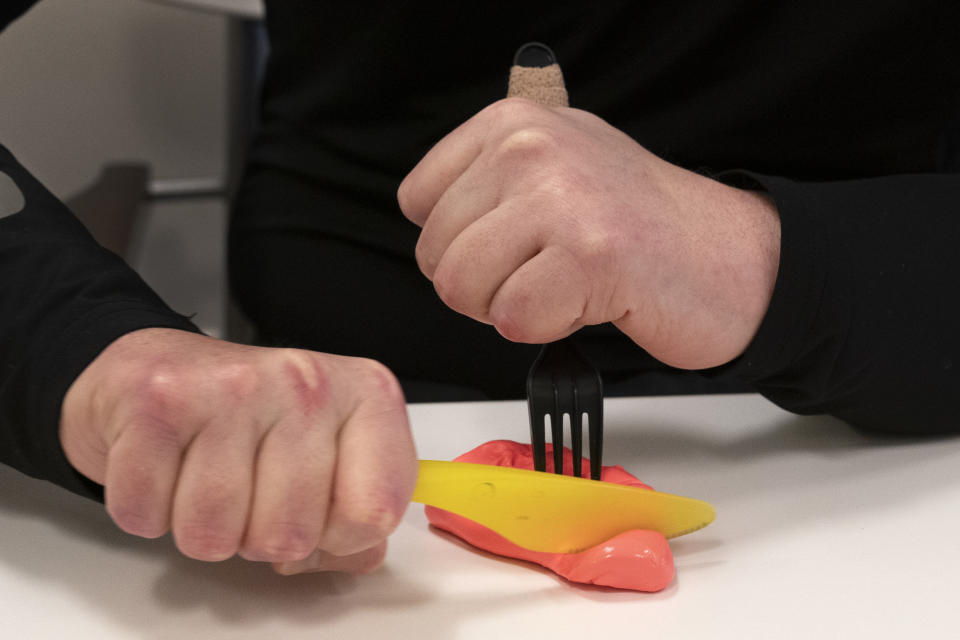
<point>588,399</point>
<point>562,381</point>
<point>537,436</point>
<point>576,433</point>
<point>556,430</point>
<point>595,428</point>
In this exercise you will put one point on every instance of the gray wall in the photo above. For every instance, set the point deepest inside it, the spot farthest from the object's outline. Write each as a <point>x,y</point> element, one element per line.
<point>86,82</point>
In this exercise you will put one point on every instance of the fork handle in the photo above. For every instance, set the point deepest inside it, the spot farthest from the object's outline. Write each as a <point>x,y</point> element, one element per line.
<point>536,76</point>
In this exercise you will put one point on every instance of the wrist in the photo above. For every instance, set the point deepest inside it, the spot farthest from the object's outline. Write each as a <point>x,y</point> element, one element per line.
<point>757,254</point>
<point>733,241</point>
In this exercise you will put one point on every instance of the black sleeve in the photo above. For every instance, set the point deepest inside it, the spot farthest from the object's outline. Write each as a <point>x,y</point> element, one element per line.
<point>864,322</point>
<point>63,300</point>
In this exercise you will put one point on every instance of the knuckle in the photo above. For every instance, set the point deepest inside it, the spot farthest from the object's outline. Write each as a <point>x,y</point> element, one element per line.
<point>306,375</point>
<point>457,287</point>
<point>136,517</point>
<point>426,259</point>
<point>159,392</point>
<point>514,333</point>
<point>384,521</point>
<point>383,381</point>
<point>411,201</point>
<point>202,541</point>
<point>239,379</point>
<point>508,316</point>
<point>446,283</point>
<point>136,496</point>
<point>283,542</point>
<point>363,525</point>
<point>597,248</point>
<point>527,144</point>
<point>378,518</point>
<point>403,197</point>
<point>464,302</point>
<point>565,185</point>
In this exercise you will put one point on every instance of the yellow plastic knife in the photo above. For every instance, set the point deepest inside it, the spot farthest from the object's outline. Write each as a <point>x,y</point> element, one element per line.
<point>553,513</point>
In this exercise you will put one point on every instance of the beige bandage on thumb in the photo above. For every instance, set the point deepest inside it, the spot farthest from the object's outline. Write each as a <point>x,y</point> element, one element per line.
<point>535,75</point>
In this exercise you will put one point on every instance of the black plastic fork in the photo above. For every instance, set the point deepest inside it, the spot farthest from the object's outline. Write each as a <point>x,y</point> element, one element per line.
<point>562,382</point>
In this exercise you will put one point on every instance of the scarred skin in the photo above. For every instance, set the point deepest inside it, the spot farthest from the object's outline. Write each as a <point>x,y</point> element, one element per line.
<point>639,560</point>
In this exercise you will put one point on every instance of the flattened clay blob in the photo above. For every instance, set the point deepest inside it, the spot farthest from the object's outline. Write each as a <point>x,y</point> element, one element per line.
<point>639,560</point>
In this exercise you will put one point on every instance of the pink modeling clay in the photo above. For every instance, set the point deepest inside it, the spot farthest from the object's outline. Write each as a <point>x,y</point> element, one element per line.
<point>639,560</point>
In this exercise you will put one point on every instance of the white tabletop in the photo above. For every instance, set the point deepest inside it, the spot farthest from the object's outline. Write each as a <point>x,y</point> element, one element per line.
<point>820,533</point>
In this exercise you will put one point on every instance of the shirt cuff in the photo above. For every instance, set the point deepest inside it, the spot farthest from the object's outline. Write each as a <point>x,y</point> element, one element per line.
<point>800,284</point>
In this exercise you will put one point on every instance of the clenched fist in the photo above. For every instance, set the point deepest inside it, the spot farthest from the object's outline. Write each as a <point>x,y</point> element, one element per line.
<point>542,220</point>
<point>293,457</point>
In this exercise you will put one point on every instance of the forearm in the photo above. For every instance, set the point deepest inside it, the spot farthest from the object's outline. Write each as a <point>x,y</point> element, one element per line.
<point>64,300</point>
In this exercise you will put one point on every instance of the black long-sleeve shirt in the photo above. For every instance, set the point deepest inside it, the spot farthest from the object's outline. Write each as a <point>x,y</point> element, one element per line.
<point>848,115</point>
<point>63,299</point>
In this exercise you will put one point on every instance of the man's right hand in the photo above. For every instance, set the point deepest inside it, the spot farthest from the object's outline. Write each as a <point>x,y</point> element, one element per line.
<point>298,458</point>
